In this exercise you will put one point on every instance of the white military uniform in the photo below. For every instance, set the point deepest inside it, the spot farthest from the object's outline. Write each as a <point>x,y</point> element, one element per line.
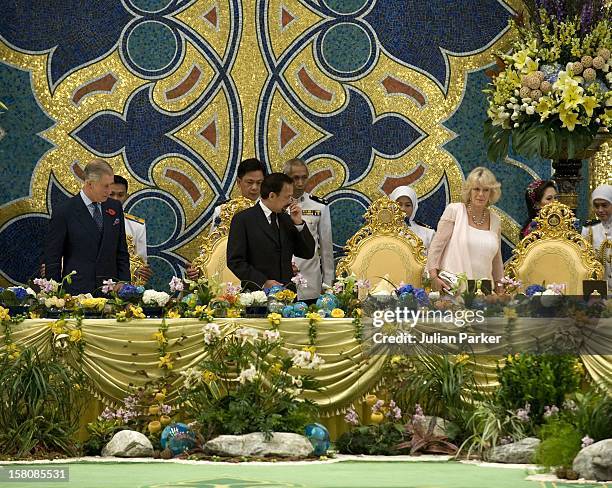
<point>136,227</point>
<point>424,232</point>
<point>319,269</point>
<point>599,234</point>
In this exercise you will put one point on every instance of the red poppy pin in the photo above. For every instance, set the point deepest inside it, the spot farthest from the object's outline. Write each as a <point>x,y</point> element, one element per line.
<point>111,212</point>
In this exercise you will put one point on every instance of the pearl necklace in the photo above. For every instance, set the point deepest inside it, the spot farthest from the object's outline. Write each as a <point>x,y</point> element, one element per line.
<point>482,220</point>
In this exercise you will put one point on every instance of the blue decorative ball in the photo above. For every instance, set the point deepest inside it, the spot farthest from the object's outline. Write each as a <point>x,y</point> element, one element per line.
<point>274,306</point>
<point>178,438</point>
<point>318,436</point>
<point>300,309</point>
<point>327,302</point>
<point>288,312</point>
<point>275,289</point>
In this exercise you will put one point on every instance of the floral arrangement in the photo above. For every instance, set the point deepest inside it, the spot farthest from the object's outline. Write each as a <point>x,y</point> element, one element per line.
<point>554,91</point>
<point>246,384</point>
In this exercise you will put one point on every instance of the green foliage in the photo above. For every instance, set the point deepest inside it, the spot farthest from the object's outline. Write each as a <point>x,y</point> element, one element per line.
<point>538,380</point>
<point>560,444</point>
<point>243,387</point>
<point>380,439</point>
<point>488,424</point>
<point>100,433</point>
<point>39,408</point>
<point>592,414</point>
<point>534,139</point>
<point>424,440</point>
<point>444,387</point>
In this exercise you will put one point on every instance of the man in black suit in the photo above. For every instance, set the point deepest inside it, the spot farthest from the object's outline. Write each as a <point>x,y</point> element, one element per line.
<point>263,239</point>
<point>87,234</point>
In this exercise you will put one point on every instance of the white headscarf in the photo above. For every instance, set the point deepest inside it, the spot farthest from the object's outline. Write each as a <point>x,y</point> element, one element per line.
<point>406,191</point>
<point>603,192</point>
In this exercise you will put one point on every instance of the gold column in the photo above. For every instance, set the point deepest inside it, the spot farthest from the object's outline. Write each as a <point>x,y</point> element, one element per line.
<point>600,169</point>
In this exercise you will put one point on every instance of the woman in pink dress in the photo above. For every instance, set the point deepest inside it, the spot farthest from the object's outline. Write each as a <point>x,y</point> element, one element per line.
<point>468,239</point>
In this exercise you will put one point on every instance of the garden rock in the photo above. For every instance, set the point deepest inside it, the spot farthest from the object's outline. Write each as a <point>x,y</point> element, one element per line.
<point>440,426</point>
<point>594,462</point>
<point>129,444</point>
<point>520,452</point>
<point>282,444</point>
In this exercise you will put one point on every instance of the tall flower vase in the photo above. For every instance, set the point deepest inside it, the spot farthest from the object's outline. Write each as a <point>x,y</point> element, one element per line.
<point>567,171</point>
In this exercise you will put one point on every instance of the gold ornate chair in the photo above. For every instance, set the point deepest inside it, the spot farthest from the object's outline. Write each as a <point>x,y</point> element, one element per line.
<point>212,259</point>
<point>555,253</point>
<point>385,246</point>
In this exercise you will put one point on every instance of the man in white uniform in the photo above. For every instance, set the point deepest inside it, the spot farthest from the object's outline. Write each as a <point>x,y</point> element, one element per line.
<point>315,212</point>
<point>599,231</point>
<point>249,178</point>
<point>134,226</point>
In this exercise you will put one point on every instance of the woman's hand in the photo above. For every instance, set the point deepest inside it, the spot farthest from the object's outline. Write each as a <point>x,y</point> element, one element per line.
<point>439,284</point>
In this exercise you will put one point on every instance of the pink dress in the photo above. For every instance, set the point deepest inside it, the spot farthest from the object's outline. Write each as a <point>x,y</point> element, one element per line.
<point>459,248</point>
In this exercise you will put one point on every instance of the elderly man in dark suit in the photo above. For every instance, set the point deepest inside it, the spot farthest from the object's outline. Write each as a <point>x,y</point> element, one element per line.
<point>87,235</point>
<point>263,238</point>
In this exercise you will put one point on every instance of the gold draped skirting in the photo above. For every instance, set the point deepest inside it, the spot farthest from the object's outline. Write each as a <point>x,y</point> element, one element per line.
<point>119,354</point>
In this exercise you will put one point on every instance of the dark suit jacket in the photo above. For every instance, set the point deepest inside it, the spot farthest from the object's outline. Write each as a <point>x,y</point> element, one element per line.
<point>73,235</point>
<point>254,253</point>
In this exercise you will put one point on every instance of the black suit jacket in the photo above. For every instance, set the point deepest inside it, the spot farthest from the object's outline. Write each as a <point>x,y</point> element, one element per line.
<point>75,243</point>
<point>254,252</point>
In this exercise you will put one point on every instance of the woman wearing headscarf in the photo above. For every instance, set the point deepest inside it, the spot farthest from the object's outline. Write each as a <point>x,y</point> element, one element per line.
<point>599,231</point>
<point>408,201</point>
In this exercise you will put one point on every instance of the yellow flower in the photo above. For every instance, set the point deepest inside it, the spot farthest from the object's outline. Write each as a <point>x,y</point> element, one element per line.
<point>530,66</point>
<point>579,368</point>
<point>572,97</point>
<point>395,360</point>
<point>121,316</point>
<point>310,349</point>
<point>520,58</point>
<point>13,351</point>
<point>34,315</point>
<point>4,314</point>
<point>274,318</point>
<point>564,81</point>
<point>509,359</point>
<point>589,104</point>
<point>160,338</point>
<point>313,316</point>
<point>57,327</point>
<point>357,312</point>
<point>337,313</point>
<point>569,119</point>
<point>173,314</point>
<point>461,358</point>
<point>233,313</point>
<point>285,296</point>
<point>137,312</point>
<point>165,361</point>
<point>75,335</point>
<point>510,313</point>
<point>208,377</point>
<point>276,367</point>
<point>544,107</point>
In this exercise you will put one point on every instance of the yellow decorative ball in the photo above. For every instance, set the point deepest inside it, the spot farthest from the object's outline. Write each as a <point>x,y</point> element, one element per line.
<point>536,94</point>
<point>525,92</point>
<point>154,426</point>
<point>370,400</point>
<point>604,53</point>
<point>153,409</point>
<point>587,61</point>
<point>377,418</point>
<point>165,420</point>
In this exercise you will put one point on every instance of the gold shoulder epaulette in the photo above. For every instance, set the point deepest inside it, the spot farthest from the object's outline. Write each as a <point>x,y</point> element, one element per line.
<point>134,218</point>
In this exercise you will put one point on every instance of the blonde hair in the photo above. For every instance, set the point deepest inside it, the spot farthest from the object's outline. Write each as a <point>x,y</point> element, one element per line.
<point>292,163</point>
<point>481,177</point>
<point>96,168</point>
